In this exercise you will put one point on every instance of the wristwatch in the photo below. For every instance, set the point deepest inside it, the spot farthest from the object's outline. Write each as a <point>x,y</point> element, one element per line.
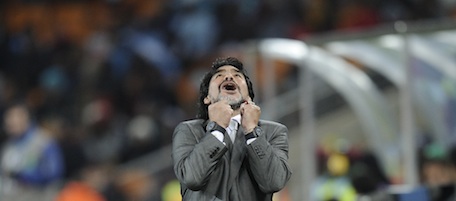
<point>254,134</point>
<point>212,126</point>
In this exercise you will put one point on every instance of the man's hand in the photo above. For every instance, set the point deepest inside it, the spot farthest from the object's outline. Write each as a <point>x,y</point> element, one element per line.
<point>220,112</point>
<point>250,115</point>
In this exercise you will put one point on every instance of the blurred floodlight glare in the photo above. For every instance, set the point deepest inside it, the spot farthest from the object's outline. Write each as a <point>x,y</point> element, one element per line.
<point>391,41</point>
<point>337,47</point>
<point>284,48</point>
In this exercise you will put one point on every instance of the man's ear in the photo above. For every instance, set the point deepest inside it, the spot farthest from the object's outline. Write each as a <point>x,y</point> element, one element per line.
<point>207,101</point>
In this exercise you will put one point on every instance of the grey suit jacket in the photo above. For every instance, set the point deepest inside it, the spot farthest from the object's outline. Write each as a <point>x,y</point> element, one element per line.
<point>208,171</point>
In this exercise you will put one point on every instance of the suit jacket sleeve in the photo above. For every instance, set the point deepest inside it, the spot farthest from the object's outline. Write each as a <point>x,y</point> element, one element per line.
<point>268,158</point>
<point>195,154</point>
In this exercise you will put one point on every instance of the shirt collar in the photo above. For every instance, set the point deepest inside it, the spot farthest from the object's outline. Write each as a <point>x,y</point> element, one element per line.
<point>237,118</point>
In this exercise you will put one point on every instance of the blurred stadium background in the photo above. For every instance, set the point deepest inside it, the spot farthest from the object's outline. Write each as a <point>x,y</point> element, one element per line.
<point>366,87</point>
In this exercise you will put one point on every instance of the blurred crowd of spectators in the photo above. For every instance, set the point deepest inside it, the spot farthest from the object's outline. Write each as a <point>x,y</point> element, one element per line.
<point>349,172</point>
<point>109,79</point>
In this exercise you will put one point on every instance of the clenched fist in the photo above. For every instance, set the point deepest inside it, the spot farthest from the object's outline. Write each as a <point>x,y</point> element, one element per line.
<point>220,112</point>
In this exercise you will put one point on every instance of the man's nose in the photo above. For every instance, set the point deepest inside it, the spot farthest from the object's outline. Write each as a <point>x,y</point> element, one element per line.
<point>229,76</point>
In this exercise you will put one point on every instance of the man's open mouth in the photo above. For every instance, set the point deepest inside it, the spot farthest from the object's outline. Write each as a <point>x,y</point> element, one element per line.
<point>228,86</point>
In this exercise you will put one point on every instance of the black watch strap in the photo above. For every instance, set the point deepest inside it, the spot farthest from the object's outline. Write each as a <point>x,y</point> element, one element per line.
<point>254,134</point>
<point>212,126</point>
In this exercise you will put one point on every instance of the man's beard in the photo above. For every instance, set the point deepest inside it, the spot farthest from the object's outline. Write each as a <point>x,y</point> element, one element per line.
<point>235,104</point>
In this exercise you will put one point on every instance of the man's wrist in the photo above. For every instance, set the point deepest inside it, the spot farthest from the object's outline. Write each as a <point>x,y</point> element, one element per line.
<point>213,126</point>
<point>256,132</point>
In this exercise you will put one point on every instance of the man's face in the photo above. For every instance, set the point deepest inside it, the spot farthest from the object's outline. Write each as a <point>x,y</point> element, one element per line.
<point>229,84</point>
<point>16,120</point>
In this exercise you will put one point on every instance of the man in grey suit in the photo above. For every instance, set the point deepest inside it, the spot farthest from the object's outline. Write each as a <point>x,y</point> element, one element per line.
<point>228,153</point>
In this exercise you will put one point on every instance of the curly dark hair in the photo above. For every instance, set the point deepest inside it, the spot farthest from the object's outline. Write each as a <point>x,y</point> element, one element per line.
<point>204,86</point>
